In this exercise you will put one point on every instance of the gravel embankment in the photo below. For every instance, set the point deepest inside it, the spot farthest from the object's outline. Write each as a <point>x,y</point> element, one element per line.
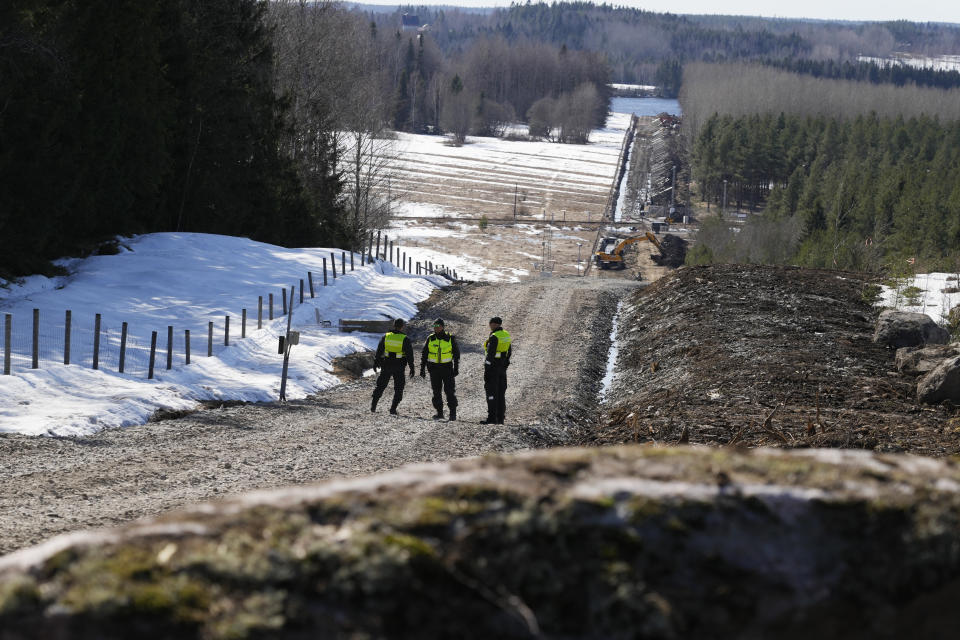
<point>561,333</point>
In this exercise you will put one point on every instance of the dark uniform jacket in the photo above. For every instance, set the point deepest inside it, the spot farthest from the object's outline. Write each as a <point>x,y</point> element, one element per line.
<point>381,360</point>
<point>426,351</point>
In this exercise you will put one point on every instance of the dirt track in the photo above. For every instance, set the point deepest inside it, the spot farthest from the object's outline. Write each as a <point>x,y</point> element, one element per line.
<point>51,486</point>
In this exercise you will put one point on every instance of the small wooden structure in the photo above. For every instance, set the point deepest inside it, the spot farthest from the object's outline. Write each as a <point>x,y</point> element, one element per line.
<point>366,326</point>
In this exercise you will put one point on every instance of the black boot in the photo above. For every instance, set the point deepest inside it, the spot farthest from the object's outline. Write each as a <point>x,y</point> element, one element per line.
<point>373,405</point>
<point>439,415</point>
<point>393,410</point>
<point>453,414</point>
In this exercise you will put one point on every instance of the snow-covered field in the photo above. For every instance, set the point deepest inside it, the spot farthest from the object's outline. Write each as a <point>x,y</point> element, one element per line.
<point>184,281</point>
<point>938,293</point>
<point>938,63</point>
<point>483,176</point>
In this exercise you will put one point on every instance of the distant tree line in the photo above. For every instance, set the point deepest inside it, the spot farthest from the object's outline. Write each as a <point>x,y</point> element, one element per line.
<point>853,193</point>
<point>122,117</point>
<point>741,89</point>
<point>866,71</point>
<point>489,84</point>
<point>637,42</point>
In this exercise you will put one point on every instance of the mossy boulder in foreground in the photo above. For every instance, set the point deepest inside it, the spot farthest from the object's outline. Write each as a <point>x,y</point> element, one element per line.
<point>624,542</point>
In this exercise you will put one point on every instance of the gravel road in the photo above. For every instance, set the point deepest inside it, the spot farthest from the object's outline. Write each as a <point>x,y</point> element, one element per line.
<point>561,330</point>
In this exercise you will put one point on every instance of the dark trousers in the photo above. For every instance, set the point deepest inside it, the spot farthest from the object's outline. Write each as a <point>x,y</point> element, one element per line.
<point>495,386</point>
<point>441,379</point>
<point>386,372</point>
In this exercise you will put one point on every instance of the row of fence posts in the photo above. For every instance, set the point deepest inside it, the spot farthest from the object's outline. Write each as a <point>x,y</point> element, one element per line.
<point>395,256</point>
<point>366,257</point>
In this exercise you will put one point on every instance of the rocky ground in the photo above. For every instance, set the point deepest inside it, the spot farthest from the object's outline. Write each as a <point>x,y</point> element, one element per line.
<point>561,329</point>
<point>619,542</point>
<point>765,356</point>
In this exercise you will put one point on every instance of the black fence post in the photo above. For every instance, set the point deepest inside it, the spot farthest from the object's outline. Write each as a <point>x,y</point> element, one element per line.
<point>310,282</point>
<point>169,347</point>
<point>186,345</point>
<point>270,317</point>
<point>351,261</point>
<point>378,244</point>
<point>370,249</point>
<point>283,294</point>
<point>333,264</point>
<point>243,323</point>
<point>226,331</point>
<point>36,339</point>
<point>210,339</point>
<point>96,342</point>
<point>123,346</point>
<point>324,272</point>
<point>301,290</point>
<point>259,312</point>
<point>153,354</point>
<point>290,315</point>
<point>7,332</point>
<point>66,337</point>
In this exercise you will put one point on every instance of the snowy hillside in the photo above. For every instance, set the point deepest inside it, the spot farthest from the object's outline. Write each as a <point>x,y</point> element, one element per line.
<point>184,281</point>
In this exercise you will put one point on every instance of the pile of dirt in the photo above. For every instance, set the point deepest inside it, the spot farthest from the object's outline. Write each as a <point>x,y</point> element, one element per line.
<point>622,542</point>
<point>673,252</point>
<point>774,356</point>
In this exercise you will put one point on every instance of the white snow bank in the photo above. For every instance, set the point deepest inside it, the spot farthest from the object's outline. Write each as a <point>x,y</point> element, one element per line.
<point>938,294</point>
<point>184,280</point>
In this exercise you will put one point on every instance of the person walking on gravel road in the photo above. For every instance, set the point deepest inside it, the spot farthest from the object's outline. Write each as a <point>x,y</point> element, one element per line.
<point>497,350</point>
<point>393,352</point>
<point>441,356</point>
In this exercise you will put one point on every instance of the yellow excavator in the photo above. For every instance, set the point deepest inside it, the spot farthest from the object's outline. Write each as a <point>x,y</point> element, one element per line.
<point>611,250</point>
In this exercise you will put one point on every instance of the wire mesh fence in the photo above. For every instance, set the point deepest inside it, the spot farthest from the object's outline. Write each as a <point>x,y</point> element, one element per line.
<point>40,339</point>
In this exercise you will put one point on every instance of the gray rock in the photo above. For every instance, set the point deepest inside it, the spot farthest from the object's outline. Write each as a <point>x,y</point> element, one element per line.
<point>943,383</point>
<point>904,329</point>
<point>917,361</point>
<point>615,542</point>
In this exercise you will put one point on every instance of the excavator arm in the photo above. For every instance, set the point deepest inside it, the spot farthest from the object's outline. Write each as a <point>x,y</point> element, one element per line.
<point>615,257</point>
<point>626,242</point>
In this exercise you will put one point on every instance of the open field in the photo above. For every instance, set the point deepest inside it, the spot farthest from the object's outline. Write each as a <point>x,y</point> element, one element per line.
<point>483,176</point>
<point>561,192</point>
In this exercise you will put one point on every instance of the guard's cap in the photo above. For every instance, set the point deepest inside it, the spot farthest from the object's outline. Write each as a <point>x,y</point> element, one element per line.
<point>438,322</point>
<point>496,320</point>
<point>398,323</point>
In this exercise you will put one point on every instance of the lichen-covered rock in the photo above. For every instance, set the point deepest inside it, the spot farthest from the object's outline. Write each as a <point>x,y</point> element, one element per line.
<point>626,542</point>
<point>918,361</point>
<point>905,329</point>
<point>943,383</point>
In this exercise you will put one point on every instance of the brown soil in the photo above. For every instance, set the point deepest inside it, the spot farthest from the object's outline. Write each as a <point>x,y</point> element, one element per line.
<point>764,356</point>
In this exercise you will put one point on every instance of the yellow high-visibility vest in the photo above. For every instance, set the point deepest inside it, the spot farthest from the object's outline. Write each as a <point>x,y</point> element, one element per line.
<point>503,343</point>
<point>439,351</point>
<point>393,345</point>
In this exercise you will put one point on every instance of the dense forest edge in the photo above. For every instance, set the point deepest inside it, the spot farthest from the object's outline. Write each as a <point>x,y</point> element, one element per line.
<point>273,120</point>
<point>834,173</point>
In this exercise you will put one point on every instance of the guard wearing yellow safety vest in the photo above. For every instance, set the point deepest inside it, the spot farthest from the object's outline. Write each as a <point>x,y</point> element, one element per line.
<point>393,353</point>
<point>441,356</point>
<point>497,351</point>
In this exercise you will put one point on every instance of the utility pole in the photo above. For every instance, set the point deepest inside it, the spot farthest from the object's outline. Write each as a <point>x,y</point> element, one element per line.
<point>514,202</point>
<point>723,205</point>
<point>673,186</point>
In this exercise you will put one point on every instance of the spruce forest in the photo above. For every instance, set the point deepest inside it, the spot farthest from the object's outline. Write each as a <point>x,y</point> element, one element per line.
<point>265,119</point>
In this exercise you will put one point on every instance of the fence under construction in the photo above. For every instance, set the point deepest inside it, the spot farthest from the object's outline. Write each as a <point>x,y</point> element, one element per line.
<point>33,341</point>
